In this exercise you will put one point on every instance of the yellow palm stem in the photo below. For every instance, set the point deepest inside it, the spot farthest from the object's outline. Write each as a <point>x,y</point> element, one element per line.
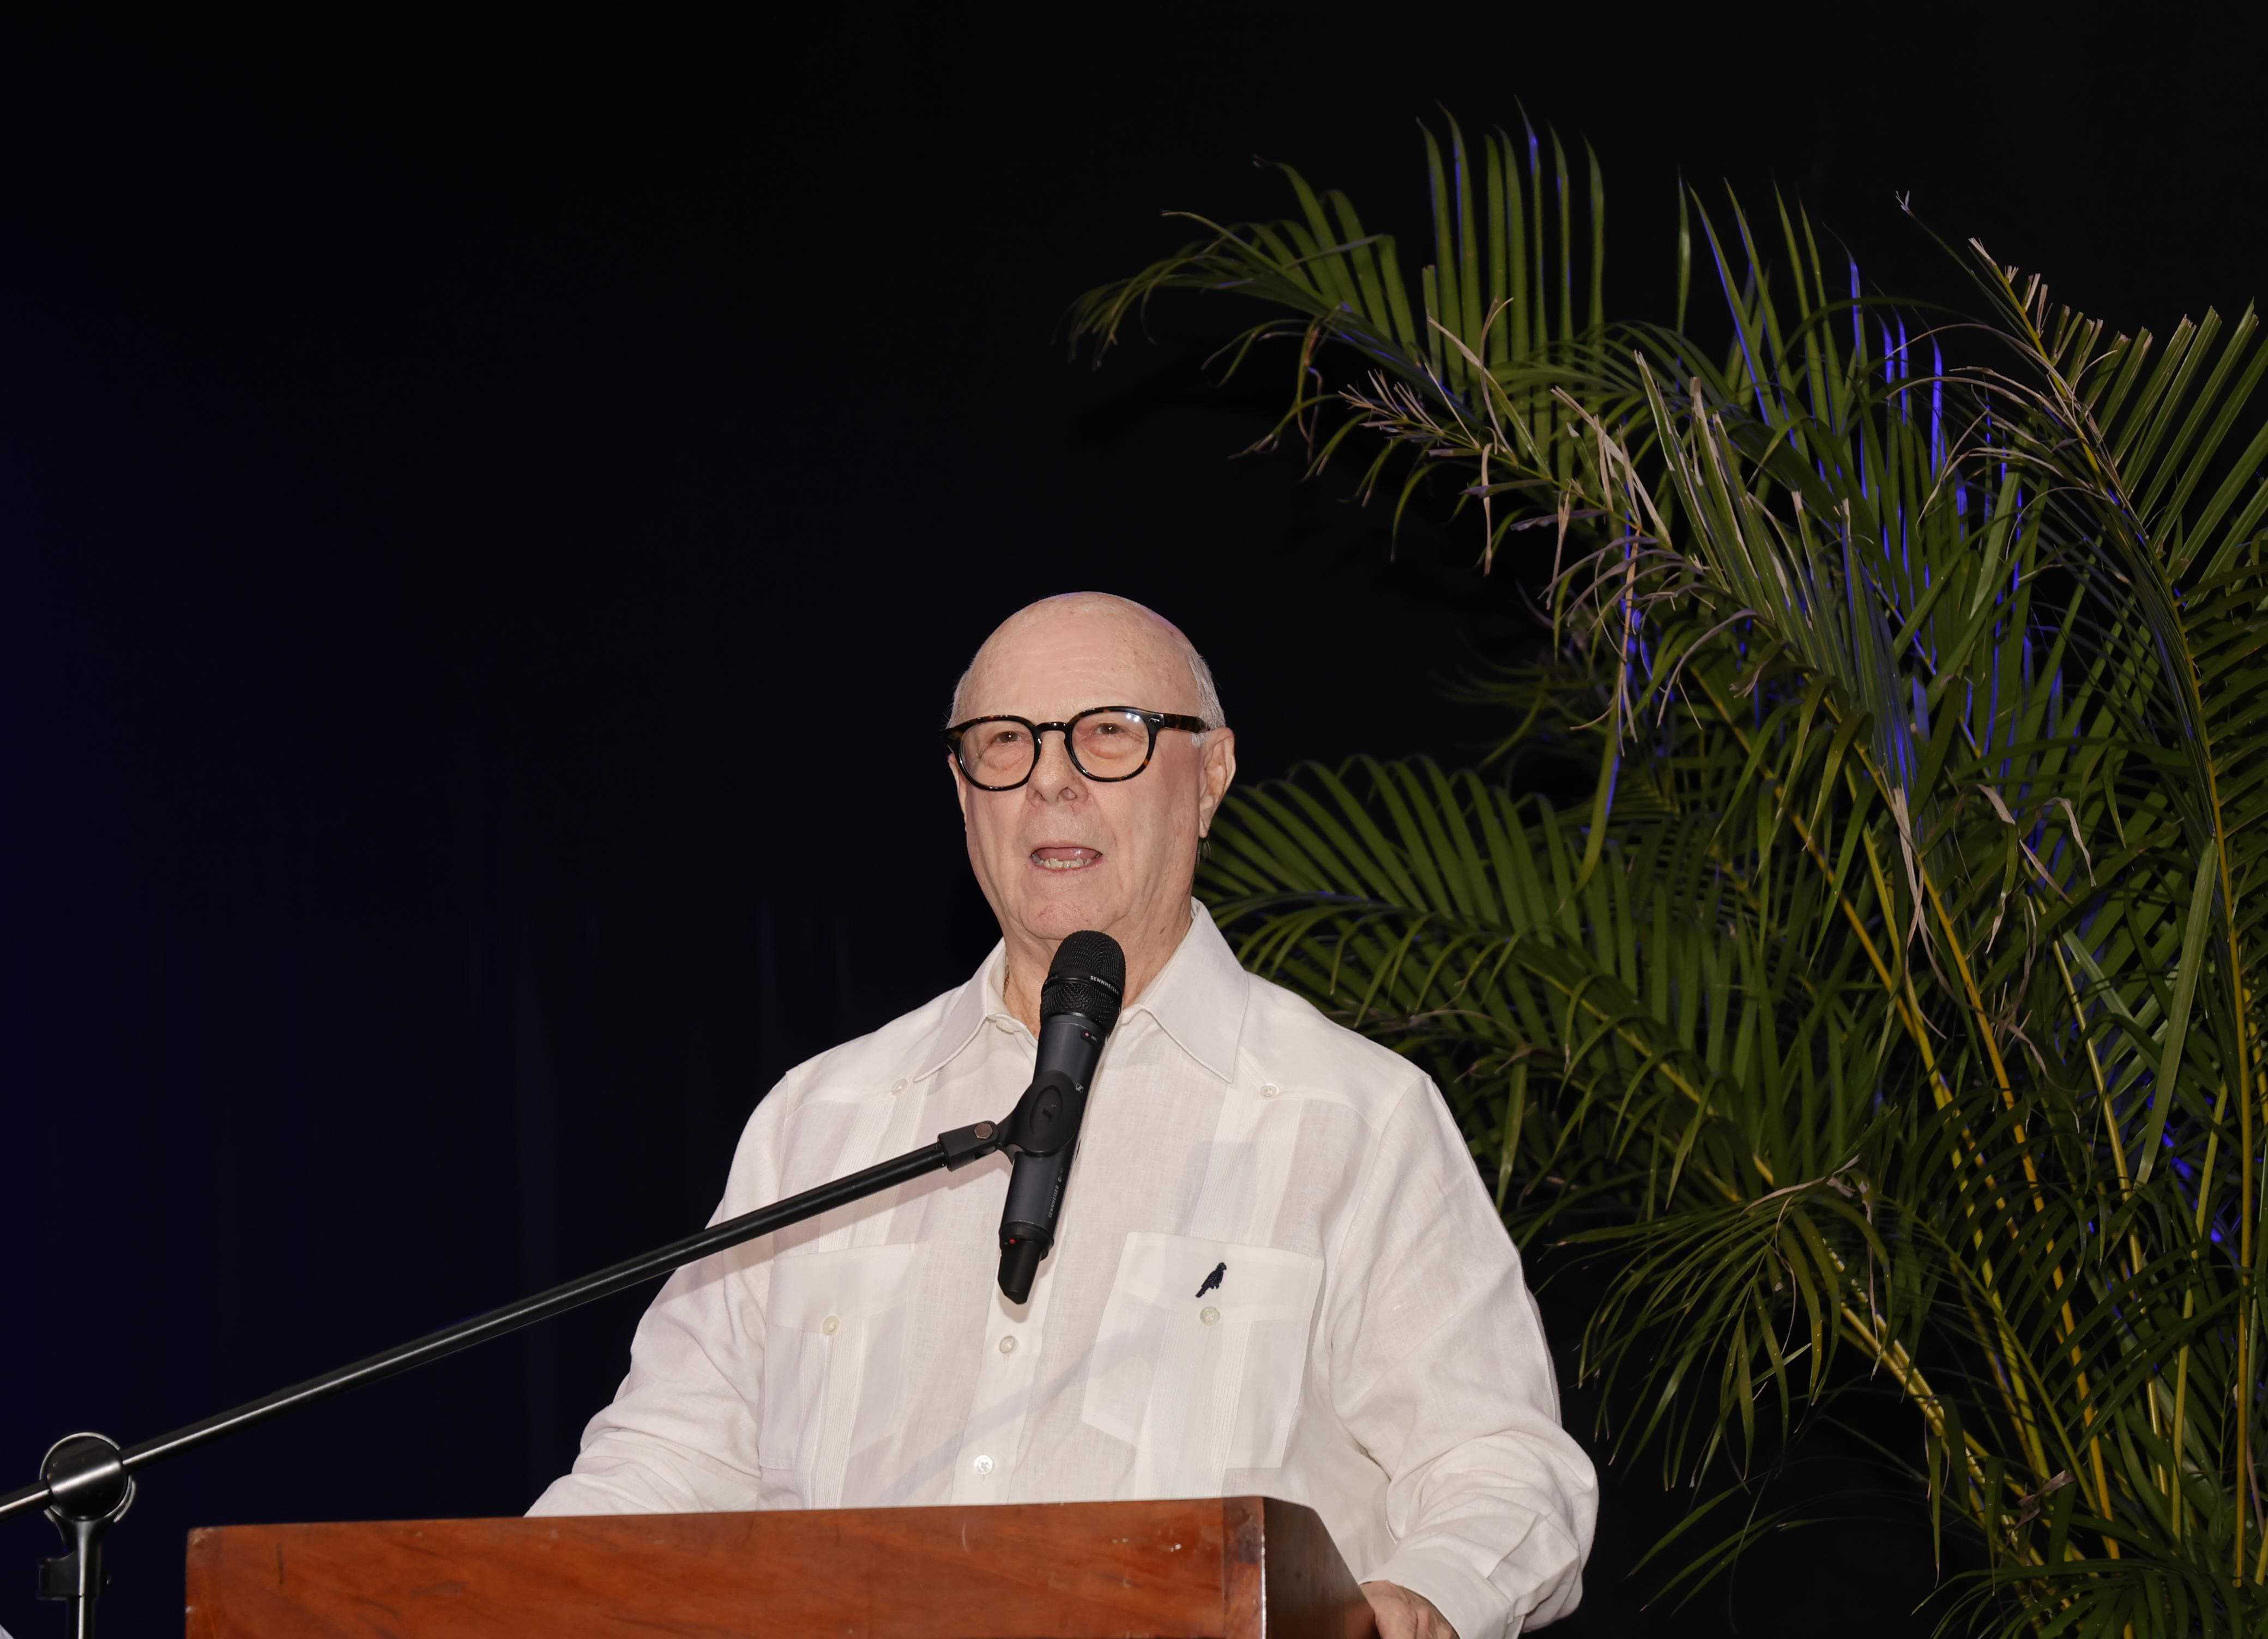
<point>2133,1241</point>
<point>2031,1173</point>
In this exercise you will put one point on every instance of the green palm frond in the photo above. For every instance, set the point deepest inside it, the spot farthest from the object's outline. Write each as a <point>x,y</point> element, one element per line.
<point>1509,311</point>
<point>1891,1013</point>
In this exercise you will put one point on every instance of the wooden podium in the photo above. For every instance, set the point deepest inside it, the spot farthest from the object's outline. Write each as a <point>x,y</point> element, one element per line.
<point>1222,1567</point>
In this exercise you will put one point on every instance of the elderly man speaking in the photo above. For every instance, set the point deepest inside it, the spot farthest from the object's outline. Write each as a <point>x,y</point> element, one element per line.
<point>1276,1269</point>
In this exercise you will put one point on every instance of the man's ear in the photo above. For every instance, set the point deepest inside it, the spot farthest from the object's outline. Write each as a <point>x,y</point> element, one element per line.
<point>959,786</point>
<point>1216,772</point>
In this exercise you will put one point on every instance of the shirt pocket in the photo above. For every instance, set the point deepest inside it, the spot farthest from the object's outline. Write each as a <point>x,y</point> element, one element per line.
<point>835,1351</point>
<point>1198,1382</point>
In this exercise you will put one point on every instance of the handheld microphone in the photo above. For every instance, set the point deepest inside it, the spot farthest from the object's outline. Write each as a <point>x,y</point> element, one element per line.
<point>1078,1006</point>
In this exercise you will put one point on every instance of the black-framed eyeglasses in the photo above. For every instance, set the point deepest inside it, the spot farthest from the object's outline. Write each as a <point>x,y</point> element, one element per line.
<point>1105,743</point>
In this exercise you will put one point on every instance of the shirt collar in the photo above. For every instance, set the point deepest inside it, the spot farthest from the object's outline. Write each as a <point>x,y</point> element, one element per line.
<point>1197,999</point>
<point>971,1006</point>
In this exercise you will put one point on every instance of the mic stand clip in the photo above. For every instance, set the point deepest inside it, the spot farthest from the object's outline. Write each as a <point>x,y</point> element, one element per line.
<point>88,1491</point>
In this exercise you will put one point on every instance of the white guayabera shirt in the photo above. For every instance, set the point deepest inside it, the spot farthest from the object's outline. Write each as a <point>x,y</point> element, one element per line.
<point>1369,1348</point>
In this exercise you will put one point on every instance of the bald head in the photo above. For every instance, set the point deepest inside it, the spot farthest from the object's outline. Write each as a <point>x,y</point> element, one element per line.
<point>1104,625</point>
<point>1064,849</point>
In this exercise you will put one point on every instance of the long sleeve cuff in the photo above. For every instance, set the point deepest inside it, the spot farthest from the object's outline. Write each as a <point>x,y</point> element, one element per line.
<point>1473,1605</point>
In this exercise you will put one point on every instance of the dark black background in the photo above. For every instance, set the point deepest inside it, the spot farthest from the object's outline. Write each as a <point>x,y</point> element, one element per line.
<point>490,517</point>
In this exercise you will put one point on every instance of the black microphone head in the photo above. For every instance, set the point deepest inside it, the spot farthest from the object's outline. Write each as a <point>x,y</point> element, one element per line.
<point>1088,977</point>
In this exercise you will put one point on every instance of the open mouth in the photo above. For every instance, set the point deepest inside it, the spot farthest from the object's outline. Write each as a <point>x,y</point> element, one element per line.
<point>1065,858</point>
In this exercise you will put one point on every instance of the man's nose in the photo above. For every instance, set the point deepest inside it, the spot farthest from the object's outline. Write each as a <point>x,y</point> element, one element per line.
<point>1055,774</point>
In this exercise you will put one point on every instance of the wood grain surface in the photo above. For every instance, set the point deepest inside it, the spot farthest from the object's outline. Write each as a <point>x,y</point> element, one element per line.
<point>1233,1568</point>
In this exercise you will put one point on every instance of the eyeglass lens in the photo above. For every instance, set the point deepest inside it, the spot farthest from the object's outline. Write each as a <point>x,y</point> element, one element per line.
<point>1104,745</point>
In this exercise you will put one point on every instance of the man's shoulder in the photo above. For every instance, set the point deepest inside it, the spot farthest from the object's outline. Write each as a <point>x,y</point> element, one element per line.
<point>1290,1043</point>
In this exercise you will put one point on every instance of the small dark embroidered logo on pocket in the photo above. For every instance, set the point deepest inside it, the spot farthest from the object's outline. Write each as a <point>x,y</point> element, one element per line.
<point>1212,1281</point>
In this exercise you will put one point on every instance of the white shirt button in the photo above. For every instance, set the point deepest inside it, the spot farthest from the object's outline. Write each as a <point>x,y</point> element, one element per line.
<point>1270,1091</point>
<point>1008,1345</point>
<point>982,1464</point>
<point>1208,1315</point>
<point>898,1085</point>
<point>830,1326</point>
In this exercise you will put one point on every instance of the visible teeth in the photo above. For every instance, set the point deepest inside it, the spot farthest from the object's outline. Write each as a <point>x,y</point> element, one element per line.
<point>1062,864</point>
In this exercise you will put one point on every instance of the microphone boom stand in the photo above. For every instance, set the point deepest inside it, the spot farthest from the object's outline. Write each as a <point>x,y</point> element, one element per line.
<point>86,1481</point>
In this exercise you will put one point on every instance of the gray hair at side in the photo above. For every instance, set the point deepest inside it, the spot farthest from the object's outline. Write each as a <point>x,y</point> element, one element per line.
<point>1208,691</point>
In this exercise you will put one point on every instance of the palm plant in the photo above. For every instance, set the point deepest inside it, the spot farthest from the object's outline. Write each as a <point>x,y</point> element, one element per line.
<point>1891,1011</point>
